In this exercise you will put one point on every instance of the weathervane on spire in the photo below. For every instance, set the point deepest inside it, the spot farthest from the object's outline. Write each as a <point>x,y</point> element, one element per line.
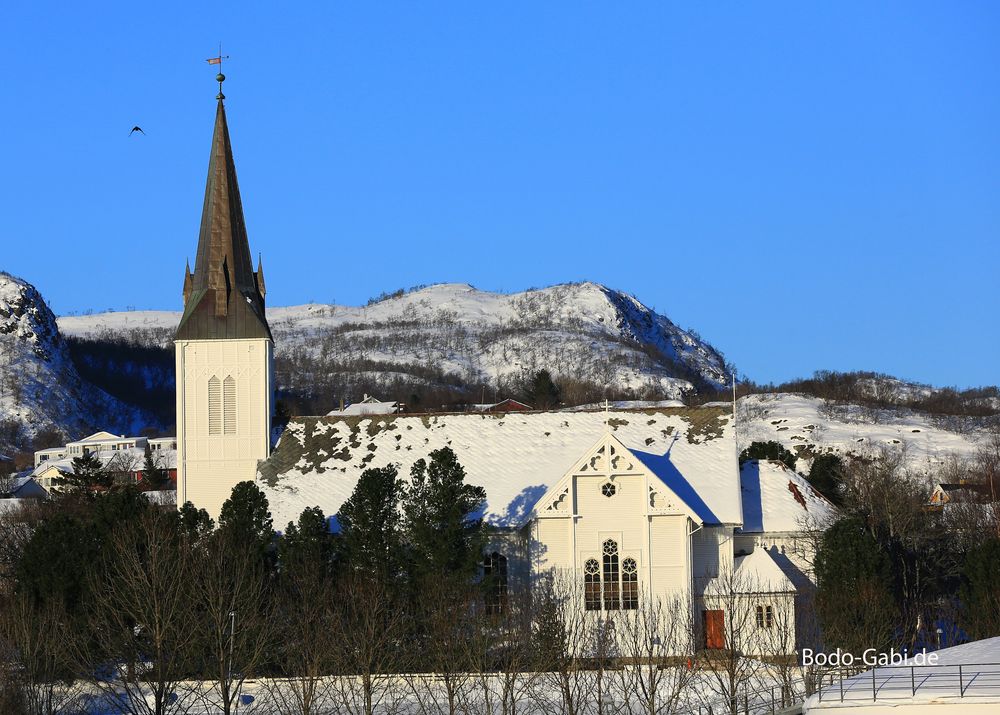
<point>220,78</point>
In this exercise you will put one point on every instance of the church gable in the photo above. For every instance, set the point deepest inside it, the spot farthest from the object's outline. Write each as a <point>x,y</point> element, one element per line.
<point>606,478</point>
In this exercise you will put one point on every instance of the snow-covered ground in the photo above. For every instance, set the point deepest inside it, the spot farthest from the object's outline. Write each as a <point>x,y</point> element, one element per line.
<point>808,426</point>
<point>535,693</point>
<point>961,679</point>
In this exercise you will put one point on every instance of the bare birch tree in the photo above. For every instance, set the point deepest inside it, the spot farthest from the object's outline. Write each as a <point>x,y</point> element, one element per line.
<point>561,634</point>
<point>35,639</point>
<point>233,598</point>
<point>730,670</point>
<point>369,629</point>
<point>308,627</point>
<point>141,618</point>
<point>655,642</point>
<point>441,677</point>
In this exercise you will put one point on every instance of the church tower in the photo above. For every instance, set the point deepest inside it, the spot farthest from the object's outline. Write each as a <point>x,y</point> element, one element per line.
<point>223,346</point>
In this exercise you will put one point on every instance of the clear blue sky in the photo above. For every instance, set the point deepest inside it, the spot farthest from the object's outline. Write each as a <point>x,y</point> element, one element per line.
<point>807,185</point>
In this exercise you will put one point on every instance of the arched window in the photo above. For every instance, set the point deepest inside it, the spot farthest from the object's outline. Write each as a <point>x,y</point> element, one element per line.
<point>495,581</point>
<point>214,405</point>
<point>229,405</point>
<point>630,585</point>
<point>611,586</point>
<point>592,585</point>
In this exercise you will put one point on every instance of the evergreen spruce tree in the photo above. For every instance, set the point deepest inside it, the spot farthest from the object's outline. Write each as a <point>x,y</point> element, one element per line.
<point>542,392</point>
<point>88,474</point>
<point>827,475</point>
<point>112,509</point>
<point>57,562</point>
<point>980,590</point>
<point>194,522</point>
<point>153,476</point>
<point>769,450</point>
<point>307,541</point>
<point>370,523</point>
<point>246,517</point>
<point>444,534</point>
<point>856,595</point>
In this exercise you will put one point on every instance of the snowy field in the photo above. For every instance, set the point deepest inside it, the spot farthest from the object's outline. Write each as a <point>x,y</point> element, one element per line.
<point>616,690</point>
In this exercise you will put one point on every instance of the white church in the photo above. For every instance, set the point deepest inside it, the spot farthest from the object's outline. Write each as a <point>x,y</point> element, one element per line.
<point>630,505</point>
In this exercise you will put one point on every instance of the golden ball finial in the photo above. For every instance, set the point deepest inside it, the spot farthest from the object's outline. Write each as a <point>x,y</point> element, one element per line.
<point>220,78</point>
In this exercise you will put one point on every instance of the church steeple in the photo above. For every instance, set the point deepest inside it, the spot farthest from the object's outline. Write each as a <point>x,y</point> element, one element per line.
<point>222,298</point>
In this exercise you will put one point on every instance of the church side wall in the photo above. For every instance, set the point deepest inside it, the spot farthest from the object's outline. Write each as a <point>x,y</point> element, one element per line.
<point>551,546</point>
<point>209,465</point>
<point>669,565</point>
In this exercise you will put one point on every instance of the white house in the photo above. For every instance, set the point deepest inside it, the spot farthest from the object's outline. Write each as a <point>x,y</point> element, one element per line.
<point>104,443</point>
<point>121,455</point>
<point>369,405</point>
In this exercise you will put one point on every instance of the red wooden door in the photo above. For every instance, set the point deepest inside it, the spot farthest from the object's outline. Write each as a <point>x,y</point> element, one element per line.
<point>715,629</point>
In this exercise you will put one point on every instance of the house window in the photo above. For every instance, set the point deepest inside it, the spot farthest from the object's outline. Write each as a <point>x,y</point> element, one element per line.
<point>630,585</point>
<point>608,489</point>
<point>592,585</point>
<point>229,405</point>
<point>495,581</point>
<point>765,617</point>
<point>611,575</point>
<point>214,405</point>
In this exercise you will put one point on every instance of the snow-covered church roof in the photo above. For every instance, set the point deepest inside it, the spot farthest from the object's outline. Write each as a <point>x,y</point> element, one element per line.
<point>756,572</point>
<point>516,457</point>
<point>776,499</point>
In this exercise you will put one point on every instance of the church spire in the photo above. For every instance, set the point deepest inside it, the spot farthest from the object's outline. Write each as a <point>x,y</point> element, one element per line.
<point>222,299</point>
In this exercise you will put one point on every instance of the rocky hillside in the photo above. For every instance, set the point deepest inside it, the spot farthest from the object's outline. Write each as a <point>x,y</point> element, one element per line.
<point>454,341</point>
<point>40,389</point>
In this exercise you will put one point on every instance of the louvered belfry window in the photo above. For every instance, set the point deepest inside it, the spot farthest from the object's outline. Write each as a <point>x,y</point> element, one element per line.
<point>214,405</point>
<point>229,405</point>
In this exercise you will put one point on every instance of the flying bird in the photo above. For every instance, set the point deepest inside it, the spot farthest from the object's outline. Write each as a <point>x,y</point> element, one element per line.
<point>137,129</point>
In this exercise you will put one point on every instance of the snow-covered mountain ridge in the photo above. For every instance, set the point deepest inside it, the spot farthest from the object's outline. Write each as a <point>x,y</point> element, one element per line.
<point>40,389</point>
<point>582,331</point>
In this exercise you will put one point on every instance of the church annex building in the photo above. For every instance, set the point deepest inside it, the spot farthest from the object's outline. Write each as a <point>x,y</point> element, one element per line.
<point>627,505</point>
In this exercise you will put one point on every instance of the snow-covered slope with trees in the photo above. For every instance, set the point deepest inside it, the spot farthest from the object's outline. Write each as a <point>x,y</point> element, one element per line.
<point>584,332</point>
<point>809,426</point>
<point>40,388</point>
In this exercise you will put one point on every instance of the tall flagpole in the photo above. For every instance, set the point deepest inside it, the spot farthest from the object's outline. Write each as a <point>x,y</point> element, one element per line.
<point>735,426</point>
